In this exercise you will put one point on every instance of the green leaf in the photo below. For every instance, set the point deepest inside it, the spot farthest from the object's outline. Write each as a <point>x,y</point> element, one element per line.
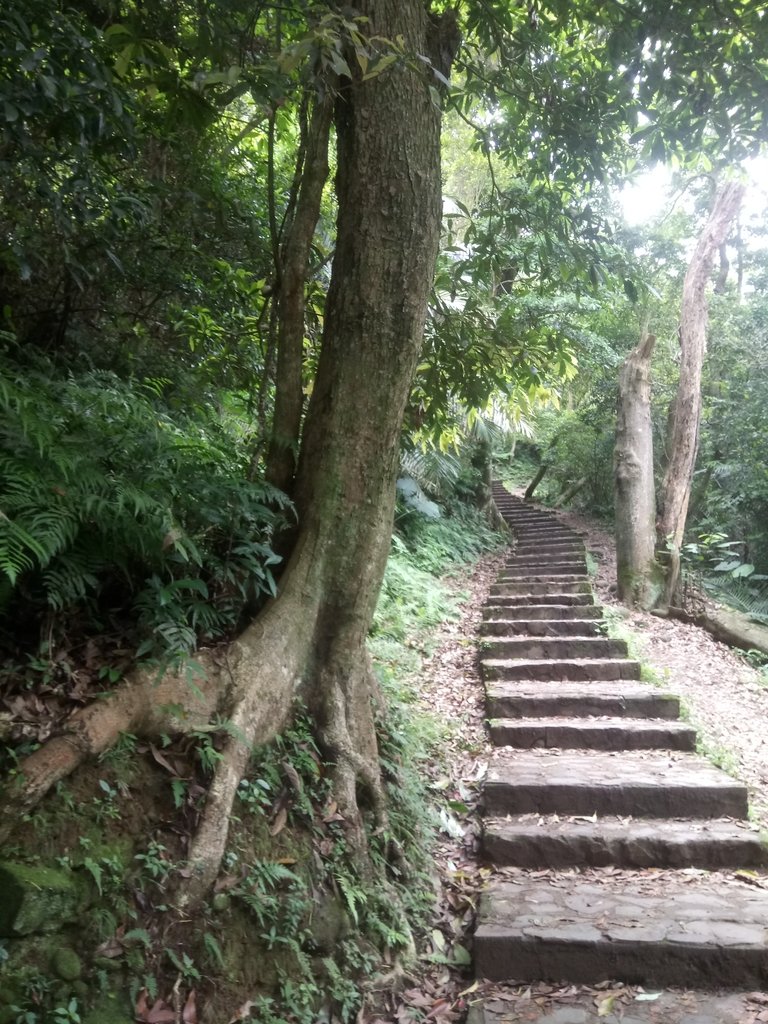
<point>138,936</point>
<point>461,956</point>
<point>214,949</point>
<point>95,872</point>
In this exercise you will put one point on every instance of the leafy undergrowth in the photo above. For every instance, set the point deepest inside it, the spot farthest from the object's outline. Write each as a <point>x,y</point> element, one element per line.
<point>130,529</point>
<point>293,933</point>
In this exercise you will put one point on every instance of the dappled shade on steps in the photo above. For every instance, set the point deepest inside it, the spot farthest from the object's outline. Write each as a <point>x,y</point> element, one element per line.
<point>593,770</point>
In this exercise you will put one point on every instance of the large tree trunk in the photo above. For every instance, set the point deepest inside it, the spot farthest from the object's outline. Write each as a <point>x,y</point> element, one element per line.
<point>686,409</point>
<point>635,494</point>
<point>389,192</point>
<point>310,641</point>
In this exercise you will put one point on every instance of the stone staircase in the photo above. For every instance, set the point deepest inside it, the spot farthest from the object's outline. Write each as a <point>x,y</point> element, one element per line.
<point>594,771</point>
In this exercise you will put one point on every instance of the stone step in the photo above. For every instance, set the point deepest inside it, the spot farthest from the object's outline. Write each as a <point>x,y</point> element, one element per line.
<point>652,784</point>
<point>541,627</point>
<point>525,509</point>
<point>615,698</point>
<point>536,569</point>
<point>559,670</point>
<point>654,931</point>
<point>539,530</point>
<point>586,733</point>
<point>583,601</point>
<point>548,580</point>
<point>552,549</point>
<point>552,612</point>
<point>543,589</point>
<point>539,525</point>
<point>583,1005</point>
<point>519,524</point>
<point>535,841</point>
<point>537,556</point>
<point>555,648</point>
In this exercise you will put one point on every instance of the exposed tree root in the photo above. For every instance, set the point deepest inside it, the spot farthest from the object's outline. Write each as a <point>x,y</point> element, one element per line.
<point>144,705</point>
<point>252,685</point>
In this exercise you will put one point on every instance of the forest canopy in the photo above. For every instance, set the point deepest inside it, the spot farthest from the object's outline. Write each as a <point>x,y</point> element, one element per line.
<point>260,259</point>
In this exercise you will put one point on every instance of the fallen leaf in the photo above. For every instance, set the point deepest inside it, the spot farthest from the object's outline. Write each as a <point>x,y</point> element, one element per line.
<point>646,997</point>
<point>162,760</point>
<point>141,1009</point>
<point>189,1013</point>
<point>280,821</point>
<point>461,956</point>
<point>161,1013</point>
<point>605,1006</point>
<point>243,1013</point>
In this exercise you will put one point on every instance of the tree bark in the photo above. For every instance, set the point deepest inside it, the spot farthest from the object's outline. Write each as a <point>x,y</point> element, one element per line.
<point>570,492</point>
<point>686,409</point>
<point>291,282</point>
<point>389,192</point>
<point>310,641</point>
<point>389,208</point>
<point>635,495</point>
<point>531,488</point>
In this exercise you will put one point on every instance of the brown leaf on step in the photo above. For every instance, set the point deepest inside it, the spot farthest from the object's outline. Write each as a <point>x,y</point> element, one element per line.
<point>605,1005</point>
<point>280,821</point>
<point>750,877</point>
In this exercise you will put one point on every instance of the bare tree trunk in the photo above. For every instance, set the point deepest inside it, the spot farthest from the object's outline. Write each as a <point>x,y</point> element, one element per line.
<point>291,282</point>
<point>635,495</point>
<point>530,489</point>
<point>686,409</point>
<point>570,492</point>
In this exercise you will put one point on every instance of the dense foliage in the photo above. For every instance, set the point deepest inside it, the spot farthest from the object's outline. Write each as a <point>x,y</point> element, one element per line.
<point>155,162</point>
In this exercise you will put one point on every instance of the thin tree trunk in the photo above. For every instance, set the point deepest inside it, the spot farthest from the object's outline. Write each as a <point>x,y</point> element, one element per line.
<point>571,492</point>
<point>530,489</point>
<point>291,282</point>
<point>686,409</point>
<point>635,496</point>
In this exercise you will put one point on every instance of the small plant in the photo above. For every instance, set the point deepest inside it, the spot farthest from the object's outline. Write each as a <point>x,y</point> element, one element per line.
<point>184,964</point>
<point>105,808</point>
<point>205,750</point>
<point>155,862</point>
<point>67,1014</point>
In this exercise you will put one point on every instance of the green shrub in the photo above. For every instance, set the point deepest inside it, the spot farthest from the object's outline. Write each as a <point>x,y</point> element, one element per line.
<point>111,499</point>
